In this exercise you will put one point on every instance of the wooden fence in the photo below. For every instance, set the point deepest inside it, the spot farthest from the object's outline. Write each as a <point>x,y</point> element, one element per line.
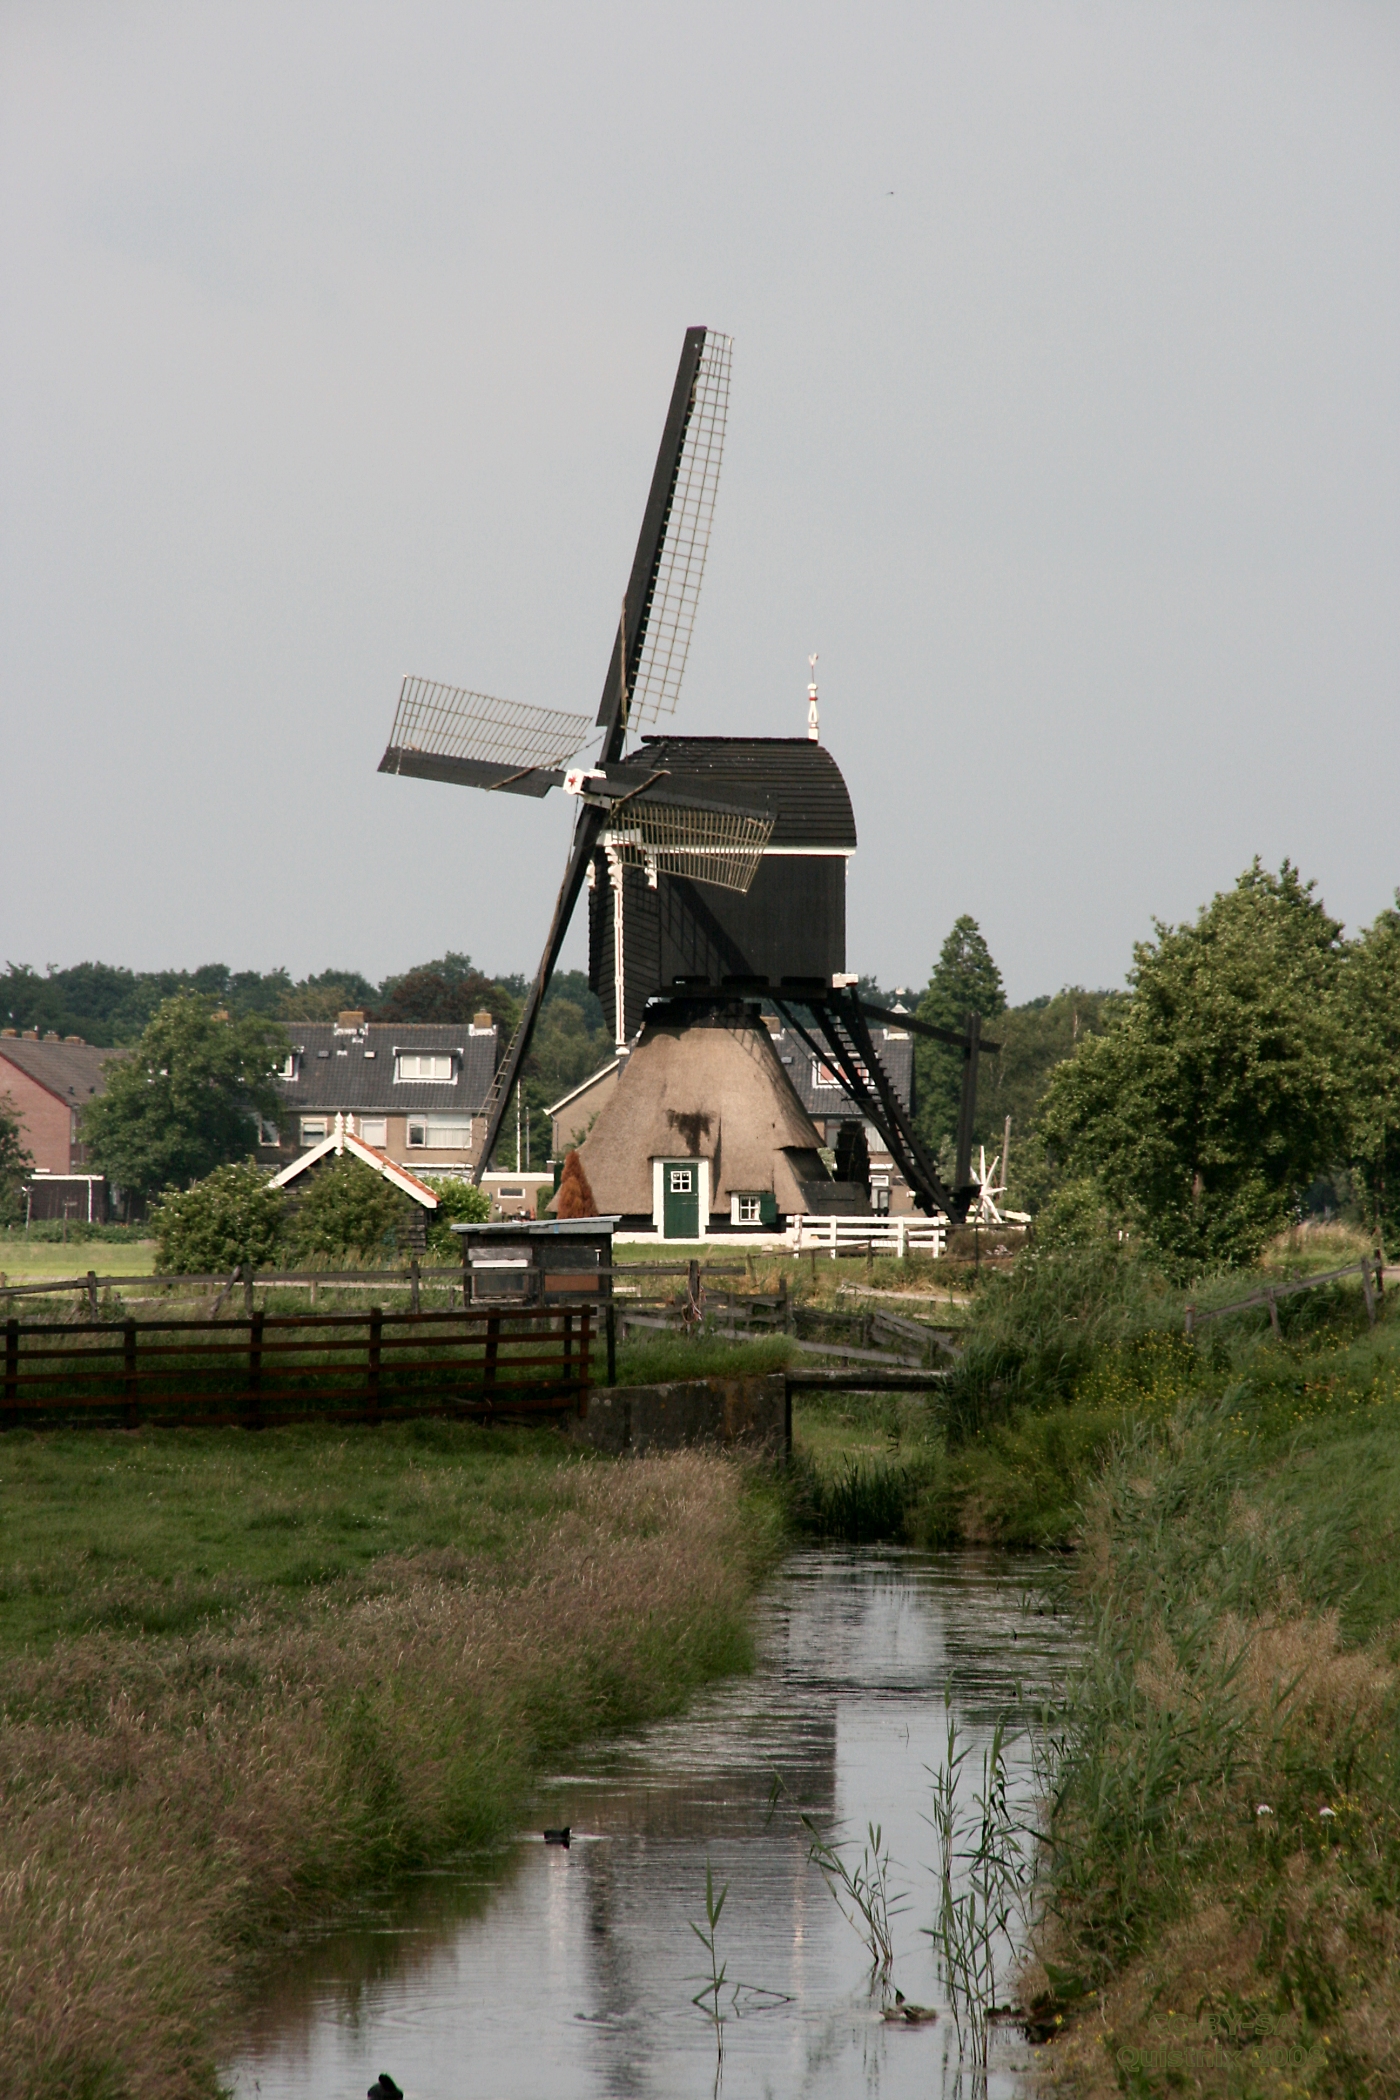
<point>1371,1272</point>
<point>899,1236</point>
<point>270,1369</point>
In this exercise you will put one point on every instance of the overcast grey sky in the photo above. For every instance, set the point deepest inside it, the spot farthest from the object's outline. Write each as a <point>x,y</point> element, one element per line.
<point>1064,425</point>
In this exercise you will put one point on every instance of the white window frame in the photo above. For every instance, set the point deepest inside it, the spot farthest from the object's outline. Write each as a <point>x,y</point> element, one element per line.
<point>314,1129</point>
<point>268,1131</point>
<point>435,1131</point>
<point>440,1060</point>
<point>289,1066</point>
<point>746,1210</point>
<point>375,1131</point>
<point>822,1074</point>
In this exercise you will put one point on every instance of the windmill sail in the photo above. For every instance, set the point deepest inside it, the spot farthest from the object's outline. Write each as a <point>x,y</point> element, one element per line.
<point>668,615</point>
<point>444,732</point>
<point>652,565</point>
<point>719,846</point>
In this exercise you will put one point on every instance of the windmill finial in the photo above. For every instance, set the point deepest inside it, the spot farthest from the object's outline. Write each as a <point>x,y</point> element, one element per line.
<point>813,724</point>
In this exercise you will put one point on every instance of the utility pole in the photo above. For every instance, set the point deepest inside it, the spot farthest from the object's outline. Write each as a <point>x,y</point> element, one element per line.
<point>517,1126</point>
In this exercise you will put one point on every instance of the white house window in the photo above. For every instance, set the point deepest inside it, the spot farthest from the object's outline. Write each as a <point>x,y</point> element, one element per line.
<point>439,1133</point>
<point>313,1129</point>
<point>289,1066</point>
<point>746,1210</point>
<point>682,1180</point>
<point>822,1074</point>
<point>268,1133</point>
<point>375,1130</point>
<point>422,1064</point>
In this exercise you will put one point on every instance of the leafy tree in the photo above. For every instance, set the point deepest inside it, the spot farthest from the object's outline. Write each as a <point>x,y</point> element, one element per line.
<point>185,1101</point>
<point>1034,1038</point>
<point>1213,1096</point>
<point>447,990</point>
<point>349,1209</point>
<point>460,1202</point>
<point>15,1162</point>
<point>234,1217</point>
<point>1370,1059</point>
<point>965,980</point>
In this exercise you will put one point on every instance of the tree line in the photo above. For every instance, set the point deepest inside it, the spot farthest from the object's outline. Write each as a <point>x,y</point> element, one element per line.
<point>1250,1069</point>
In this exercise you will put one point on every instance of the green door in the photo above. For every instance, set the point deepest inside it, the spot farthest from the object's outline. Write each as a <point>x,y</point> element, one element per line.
<point>680,1199</point>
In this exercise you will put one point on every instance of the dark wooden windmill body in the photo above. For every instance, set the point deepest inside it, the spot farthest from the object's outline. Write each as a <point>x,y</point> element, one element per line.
<point>716,866</point>
<point>673,935</point>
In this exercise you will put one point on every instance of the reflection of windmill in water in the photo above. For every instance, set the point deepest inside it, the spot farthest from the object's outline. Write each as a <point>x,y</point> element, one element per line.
<point>716,865</point>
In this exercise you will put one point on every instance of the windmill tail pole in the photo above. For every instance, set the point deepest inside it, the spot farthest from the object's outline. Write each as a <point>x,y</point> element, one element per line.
<point>963,1185</point>
<point>498,1101</point>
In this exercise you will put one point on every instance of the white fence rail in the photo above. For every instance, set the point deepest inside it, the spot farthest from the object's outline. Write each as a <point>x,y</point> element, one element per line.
<point>899,1236</point>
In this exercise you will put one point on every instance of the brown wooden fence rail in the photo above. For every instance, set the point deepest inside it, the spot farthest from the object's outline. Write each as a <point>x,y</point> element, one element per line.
<point>269,1369</point>
<point>1371,1271</point>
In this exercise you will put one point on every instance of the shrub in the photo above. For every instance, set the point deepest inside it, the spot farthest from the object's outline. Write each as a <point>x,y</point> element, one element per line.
<point>575,1196</point>
<point>459,1202</point>
<point>231,1218</point>
<point>349,1209</point>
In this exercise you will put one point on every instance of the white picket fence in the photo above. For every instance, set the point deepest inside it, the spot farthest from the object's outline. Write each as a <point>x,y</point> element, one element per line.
<point>901,1236</point>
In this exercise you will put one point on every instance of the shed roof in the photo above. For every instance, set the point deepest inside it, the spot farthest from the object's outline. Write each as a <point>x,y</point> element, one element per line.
<point>799,780</point>
<point>338,1068</point>
<point>75,1072</point>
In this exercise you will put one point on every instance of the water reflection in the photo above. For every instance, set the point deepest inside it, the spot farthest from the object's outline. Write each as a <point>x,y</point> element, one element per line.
<point>569,1974</point>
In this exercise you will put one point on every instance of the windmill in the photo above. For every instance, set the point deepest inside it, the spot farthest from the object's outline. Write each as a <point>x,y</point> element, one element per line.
<point>715,865</point>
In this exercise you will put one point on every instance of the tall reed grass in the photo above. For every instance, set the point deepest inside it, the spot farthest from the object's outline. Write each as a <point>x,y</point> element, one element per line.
<point>174,1805</point>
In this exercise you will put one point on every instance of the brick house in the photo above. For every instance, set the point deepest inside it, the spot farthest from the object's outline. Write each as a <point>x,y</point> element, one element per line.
<point>417,1090</point>
<point>48,1081</point>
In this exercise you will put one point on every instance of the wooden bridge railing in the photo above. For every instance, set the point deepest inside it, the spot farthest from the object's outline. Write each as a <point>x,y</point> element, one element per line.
<point>269,1368</point>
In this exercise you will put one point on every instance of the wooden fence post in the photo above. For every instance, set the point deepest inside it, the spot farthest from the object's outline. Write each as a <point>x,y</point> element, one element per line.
<point>1190,1322</point>
<point>11,1415</point>
<point>1368,1293</point>
<point>255,1350</point>
<point>612,1342</point>
<point>248,1294</point>
<point>493,1350</point>
<point>376,1335</point>
<point>568,1346</point>
<point>584,1338</point>
<point>92,1292</point>
<point>1273,1312</point>
<point>413,1283</point>
<point>133,1414</point>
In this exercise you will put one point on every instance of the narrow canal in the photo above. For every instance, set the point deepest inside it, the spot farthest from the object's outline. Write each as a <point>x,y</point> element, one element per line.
<point>569,1974</point>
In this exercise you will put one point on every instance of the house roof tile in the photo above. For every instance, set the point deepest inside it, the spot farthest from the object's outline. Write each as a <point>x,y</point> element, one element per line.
<point>75,1072</point>
<point>336,1069</point>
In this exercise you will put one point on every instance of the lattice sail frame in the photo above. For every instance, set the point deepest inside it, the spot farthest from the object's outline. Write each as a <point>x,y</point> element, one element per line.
<point>722,847</point>
<point>681,569</point>
<point>447,721</point>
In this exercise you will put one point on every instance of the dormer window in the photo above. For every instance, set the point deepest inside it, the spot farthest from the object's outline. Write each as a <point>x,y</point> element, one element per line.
<point>424,1064</point>
<point>289,1066</point>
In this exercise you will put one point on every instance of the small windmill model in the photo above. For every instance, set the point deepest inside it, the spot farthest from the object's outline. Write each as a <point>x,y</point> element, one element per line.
<point>715,865</point>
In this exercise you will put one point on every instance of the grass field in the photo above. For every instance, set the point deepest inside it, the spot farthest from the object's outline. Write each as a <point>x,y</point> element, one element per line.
<point>36,1261</point>
<point>240,1674</point>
